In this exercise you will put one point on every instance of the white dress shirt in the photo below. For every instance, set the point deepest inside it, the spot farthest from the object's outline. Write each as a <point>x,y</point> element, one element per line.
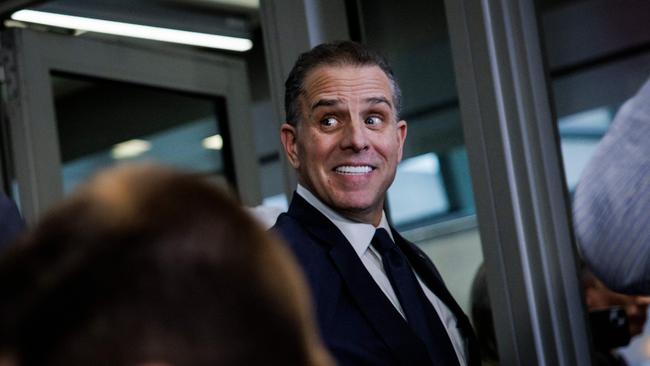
<point>360,235</point>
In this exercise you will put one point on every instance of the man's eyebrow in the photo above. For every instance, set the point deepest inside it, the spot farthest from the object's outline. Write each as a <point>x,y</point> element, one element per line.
<point>378,100</point>
<point>335,102</point>
<point>325,103</point>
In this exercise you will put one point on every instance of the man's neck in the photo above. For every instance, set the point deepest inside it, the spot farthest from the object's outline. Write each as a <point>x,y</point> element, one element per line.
<point>351,229</point>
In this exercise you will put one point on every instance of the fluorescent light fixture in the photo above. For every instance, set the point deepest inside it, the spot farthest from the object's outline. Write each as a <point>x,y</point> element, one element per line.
<point>214,142</point>
<point>250,4</point>
<point>134,30</point>
<point>130,149</point>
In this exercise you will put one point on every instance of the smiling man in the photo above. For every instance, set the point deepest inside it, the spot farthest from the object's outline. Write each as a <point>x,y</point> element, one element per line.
<point>379,299</point>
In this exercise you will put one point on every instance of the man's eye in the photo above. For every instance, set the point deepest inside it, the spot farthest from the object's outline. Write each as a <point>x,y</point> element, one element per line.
<point>374,120</point>
<point>329,122</point>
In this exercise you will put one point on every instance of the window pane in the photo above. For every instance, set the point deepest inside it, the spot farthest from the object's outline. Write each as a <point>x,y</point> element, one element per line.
<point>579,135</point>
<point>103,123</point>
<point>417,192</point>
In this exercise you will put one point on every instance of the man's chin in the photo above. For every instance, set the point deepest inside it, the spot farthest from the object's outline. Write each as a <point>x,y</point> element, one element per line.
<point>351,205</point>
<point>358,211</point>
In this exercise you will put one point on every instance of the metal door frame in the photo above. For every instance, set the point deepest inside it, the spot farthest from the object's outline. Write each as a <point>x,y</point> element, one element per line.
<point>29,57</point>
<point>519,186</point>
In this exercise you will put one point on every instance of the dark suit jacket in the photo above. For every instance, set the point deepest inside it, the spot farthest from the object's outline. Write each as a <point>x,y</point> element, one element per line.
<point>358,323</point>
<point>11,223</point>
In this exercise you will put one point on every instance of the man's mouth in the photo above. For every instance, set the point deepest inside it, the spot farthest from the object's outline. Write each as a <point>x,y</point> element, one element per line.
<point>354,169</point>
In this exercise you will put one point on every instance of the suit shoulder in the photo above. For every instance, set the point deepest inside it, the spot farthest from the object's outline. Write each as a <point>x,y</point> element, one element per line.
<point>288,227</point>
<point>297,238</point>
<point>309,252</point>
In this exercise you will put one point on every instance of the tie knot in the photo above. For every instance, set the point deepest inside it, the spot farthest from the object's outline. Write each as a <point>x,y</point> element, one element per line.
<point>382,241</point>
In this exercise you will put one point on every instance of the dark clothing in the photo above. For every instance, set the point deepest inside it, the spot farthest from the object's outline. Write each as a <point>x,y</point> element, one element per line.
<point>358,323</point>
<point>11,223</point>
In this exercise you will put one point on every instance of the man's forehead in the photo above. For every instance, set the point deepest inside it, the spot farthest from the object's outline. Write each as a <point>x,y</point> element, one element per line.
<point>346,81</point>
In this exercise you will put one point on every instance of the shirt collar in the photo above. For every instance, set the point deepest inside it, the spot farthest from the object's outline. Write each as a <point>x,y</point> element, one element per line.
<point>358,234</point>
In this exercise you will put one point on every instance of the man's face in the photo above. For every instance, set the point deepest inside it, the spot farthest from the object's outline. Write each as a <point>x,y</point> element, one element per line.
<point>348,143</point>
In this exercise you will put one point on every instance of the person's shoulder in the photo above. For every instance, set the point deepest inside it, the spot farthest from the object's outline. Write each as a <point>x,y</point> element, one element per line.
<point>289,229</point>
<point>285,223</point>
<point>307,249</point>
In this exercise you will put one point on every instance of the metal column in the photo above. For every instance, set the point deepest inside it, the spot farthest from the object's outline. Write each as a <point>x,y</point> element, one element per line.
<point>521,200</point>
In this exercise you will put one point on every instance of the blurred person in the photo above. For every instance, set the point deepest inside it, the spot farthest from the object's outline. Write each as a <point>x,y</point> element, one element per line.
<point>379,299</point>
<point>148,266</point>
<point>612,201</point>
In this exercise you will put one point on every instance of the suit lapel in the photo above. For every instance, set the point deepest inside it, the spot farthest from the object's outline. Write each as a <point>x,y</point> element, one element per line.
<point>371,301</point>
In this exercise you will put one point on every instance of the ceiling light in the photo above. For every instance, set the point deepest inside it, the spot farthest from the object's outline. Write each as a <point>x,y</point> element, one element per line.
<point>134,30</point>
<point>250,4</point>
<point>130,149</point>
<point>214,142</point>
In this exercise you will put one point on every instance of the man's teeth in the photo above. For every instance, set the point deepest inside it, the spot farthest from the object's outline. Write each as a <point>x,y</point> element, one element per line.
<point>346,169</point>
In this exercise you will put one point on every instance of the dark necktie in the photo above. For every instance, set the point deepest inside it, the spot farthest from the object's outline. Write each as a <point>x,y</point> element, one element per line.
<point>420,314</point>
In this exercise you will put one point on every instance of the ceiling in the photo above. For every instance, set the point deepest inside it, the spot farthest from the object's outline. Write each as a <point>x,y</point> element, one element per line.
<point>237,18</point>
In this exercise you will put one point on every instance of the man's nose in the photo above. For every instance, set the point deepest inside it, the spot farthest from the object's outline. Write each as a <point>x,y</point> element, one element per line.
<point>355,136</point>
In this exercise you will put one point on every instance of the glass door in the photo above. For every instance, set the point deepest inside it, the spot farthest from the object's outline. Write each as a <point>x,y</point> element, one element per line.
<point>79,105</point>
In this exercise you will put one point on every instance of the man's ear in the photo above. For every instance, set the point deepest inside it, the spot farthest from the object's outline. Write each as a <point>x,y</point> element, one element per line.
<point>401,135</point>
<point>289,138</point>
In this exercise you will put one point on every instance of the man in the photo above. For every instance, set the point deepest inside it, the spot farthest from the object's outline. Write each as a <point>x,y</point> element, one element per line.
<point>379,299</point>
<point>612,201</point>
<point>147,266</point>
